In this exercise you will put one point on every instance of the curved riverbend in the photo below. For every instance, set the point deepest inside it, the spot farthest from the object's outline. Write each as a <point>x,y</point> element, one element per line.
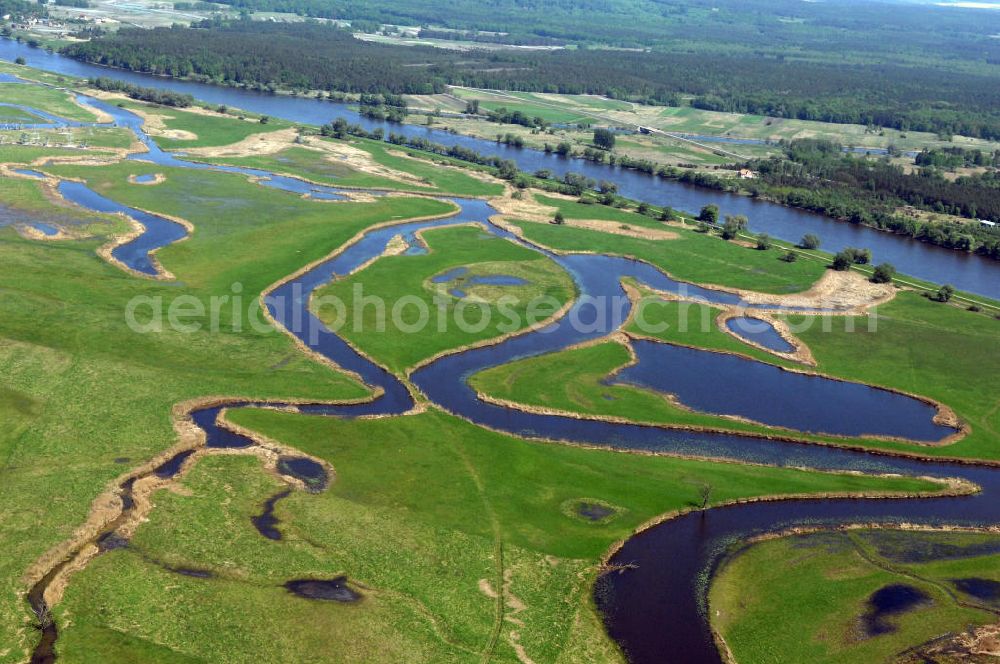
<point>653,603</point>
<point>967,272</point>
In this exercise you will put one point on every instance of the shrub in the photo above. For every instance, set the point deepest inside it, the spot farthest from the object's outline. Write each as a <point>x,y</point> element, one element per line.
<point>858,256</point>
<point>842,261</point>
<point>709,214</point>
<point>809,241</point>
<point>944,293</point>
<point>884,273</point>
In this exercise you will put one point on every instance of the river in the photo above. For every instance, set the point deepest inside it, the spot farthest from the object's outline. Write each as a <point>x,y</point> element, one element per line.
<point>968,272</point>
<point>654,605</point>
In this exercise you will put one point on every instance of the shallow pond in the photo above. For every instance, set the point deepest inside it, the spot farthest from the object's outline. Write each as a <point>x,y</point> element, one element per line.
<point>310,472</point>
<point>889,602</point>
<point>986,590</point>
<point>335,590</point>
<point>760,332</point>
<point>266,522</point>
<point>45,229</point>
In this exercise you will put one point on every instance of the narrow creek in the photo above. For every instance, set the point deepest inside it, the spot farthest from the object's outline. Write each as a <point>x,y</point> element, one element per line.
<point>653,602</point>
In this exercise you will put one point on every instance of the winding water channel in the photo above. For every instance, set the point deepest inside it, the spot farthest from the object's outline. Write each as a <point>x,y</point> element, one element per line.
<point>654,605</point>
<point>967,272</point>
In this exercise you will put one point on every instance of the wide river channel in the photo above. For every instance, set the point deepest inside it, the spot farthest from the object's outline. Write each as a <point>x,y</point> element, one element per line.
<point>965,271</point>
<point>654,603</point>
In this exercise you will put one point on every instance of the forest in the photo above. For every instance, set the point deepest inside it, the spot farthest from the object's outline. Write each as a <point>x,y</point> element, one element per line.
<point>21,8</point>
<point>315,56</point>
<point>821,30</point>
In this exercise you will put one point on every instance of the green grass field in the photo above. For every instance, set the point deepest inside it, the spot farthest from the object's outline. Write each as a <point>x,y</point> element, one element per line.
<point>54,101</point>
<point>210,130</point>
<point>547,113</point>
<point>466,543</point>
<point>320,167</point>
<point>910,332</point>
<point>26,154</point>
<point>398,340</point>
<point>948,354</point>
<point>804,598</point>
<point>590,110</point>
<point>445,179</point>
<point>82,389</point>
<point>77,138</point>
<point>425,511</point>
<point>10,114</point>
<point>691,324</point>
<point>23,200</point>
<point>573,381</point>
<point>693,256</point>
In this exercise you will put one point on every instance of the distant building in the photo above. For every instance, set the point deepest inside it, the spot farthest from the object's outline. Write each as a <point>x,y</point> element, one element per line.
<point>747,174</point>
<point>987,223</point>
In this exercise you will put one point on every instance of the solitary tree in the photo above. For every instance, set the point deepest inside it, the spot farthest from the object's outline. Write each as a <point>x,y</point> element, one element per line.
<point>558,219</point>
<point>790,257</point>
<point>705,492</point>
<point>763,241</point>
<point>604,138</point>
<point>734,224</point>
<point>709,214</point>
<point>884,273</point>
<point>20,61</point>
<point>809,241</point>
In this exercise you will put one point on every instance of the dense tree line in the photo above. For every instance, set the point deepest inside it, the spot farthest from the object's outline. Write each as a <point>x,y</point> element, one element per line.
<point>813,163</point>
<point>816,175</point>
<point>383,107</point>
<point>951,158</point>
<point>503,116</point>
<point>318,56</point>
<point>154,95</point>
<point>268,56</point>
